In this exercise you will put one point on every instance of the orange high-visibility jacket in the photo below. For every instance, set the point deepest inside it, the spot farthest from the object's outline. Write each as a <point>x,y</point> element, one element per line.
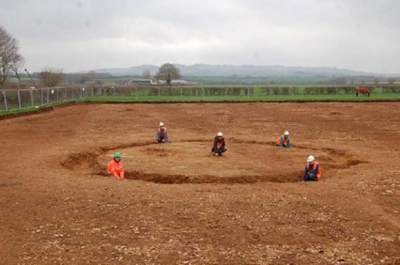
<point>283,140</point>
<point>116,169</point>
<point>315,168</point>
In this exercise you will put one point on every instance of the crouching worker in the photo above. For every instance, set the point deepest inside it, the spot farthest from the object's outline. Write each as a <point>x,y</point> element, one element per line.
<point>162,134</point>
<point>115,168</point>
<point>219,146</point>
<point>312,172</point>
<point>283,141</point>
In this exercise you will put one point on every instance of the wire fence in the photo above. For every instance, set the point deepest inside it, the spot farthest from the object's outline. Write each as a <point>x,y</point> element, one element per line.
<point>30,98</point>
<point>35,97</point>
<point>184,93</point>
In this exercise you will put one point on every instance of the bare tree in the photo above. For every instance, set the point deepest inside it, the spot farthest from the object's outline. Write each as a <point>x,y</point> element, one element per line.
<point>146,74</point>
<point>51,77</point>
<point>391,80</point>
<point>89,77</point>
<point>17,66</point>
<point>8,54</point>
<point>340,80</point>
<point>168,72</point>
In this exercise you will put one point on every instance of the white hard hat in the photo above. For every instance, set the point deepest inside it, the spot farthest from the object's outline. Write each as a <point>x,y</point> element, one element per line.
<point>310,158</point>
<point>161,124</point>
<point>220,134</point>
<point>286,133</point>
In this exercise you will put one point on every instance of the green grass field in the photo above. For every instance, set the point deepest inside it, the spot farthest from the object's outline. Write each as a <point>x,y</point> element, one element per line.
<point>218,94</point>
<point>265,98</point>
<point>242,93</point>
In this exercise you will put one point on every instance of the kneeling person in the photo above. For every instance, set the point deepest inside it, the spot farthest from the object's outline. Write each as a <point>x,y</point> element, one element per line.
<point>162,134</point>
<point>283,141</point>
<point>219,146</point>
<point>115,168</point>
<point>312,171</point>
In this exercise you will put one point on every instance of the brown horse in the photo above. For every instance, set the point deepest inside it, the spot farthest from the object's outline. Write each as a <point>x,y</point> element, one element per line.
<point>363,90</point>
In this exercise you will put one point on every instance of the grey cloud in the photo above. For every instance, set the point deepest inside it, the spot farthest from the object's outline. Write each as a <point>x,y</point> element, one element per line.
<point>359,34</point>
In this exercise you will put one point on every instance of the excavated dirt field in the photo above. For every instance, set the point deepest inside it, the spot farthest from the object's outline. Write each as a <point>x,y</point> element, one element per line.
<point>181,205</point>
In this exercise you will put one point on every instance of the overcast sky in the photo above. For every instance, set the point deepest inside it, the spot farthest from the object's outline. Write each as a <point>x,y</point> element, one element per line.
<point>82,35</point>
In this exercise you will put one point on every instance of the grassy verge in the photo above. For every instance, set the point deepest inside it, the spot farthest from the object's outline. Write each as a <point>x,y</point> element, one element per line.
<point>145,98</point>
<point>241,98</point>
<point>36,109</point>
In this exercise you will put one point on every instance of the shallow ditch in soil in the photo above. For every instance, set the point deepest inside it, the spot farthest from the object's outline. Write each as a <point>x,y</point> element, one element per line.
<point>191,161</point>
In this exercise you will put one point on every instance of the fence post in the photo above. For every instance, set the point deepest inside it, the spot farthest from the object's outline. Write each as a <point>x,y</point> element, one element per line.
<point>19,99</point>
<point>5,100</point>
<point>31,92</point>
<point>47,100</point>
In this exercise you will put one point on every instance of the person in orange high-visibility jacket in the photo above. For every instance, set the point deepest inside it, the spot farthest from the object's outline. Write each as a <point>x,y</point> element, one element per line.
<point>115,168</point>
<point>162,134</point>
<point>312,171</point>
<point>219,146</point>
<point>283,141</point>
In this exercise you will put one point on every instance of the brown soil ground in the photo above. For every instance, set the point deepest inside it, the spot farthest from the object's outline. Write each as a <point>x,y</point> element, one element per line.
<point>181,205</point>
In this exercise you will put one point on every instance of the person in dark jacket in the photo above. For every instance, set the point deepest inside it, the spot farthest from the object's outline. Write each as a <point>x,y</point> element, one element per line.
<point>162,134</point>
<point>312,171</point>
<point>219,146</point>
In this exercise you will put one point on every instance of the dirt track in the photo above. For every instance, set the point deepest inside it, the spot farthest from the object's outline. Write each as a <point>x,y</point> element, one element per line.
<point>181,205</point>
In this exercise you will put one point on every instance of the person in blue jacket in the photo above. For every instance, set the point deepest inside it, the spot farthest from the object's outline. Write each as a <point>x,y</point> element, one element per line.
<point>312,171</point>
<point>284,140</point>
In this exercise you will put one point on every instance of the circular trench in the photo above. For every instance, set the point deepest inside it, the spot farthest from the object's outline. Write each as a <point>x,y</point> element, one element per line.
<point>191,161</point>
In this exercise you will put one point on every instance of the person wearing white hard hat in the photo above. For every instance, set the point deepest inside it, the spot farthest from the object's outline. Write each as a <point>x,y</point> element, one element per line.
<point>219,146</point>
<point>312,171</point>
<point>162,134</point>
<point>283,140</point>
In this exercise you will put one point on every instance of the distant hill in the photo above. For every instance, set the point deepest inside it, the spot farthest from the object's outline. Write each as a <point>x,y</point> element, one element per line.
<point>238,71</point>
